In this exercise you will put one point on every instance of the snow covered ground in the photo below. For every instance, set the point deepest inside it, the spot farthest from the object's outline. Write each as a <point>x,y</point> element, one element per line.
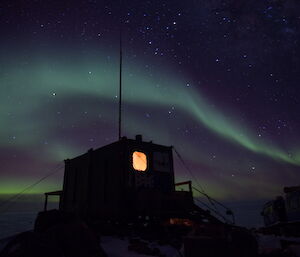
<point>116,247</point>
<point>14,222</point>
<point>270,243</point>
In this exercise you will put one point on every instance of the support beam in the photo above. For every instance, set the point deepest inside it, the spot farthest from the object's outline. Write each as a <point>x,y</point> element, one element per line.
<point>46,202</point>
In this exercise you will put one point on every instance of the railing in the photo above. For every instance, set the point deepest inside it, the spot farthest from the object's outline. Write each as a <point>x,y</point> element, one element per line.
<point>56,193</point>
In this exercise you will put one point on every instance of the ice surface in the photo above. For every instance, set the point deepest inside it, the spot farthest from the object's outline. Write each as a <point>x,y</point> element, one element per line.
<point>12,223</point>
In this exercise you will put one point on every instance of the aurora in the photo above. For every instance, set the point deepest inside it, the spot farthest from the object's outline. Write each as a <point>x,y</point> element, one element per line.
<point>38,84</point>
<point>50,97</point>
<point>217,80</point>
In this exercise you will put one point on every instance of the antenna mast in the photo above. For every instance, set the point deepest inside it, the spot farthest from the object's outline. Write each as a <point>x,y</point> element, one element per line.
<point>120,78</point>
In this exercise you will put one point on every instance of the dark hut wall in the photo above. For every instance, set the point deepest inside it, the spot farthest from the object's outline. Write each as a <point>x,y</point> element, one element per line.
<point>103,182</point>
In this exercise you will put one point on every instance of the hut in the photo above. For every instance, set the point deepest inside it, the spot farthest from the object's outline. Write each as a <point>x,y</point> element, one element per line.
<point>121,181</point>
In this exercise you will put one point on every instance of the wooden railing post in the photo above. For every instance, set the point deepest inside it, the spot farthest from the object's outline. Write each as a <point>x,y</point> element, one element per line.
<point>46,202</point>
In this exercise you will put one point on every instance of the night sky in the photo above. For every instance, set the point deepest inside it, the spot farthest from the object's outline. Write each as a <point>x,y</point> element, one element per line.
<point>217,79</point>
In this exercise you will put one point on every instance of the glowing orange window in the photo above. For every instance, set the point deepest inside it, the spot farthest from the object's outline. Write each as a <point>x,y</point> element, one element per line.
<point>139,161</point>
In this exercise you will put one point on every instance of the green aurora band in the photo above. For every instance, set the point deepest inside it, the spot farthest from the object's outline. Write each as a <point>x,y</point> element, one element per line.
<point>26,88</point>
